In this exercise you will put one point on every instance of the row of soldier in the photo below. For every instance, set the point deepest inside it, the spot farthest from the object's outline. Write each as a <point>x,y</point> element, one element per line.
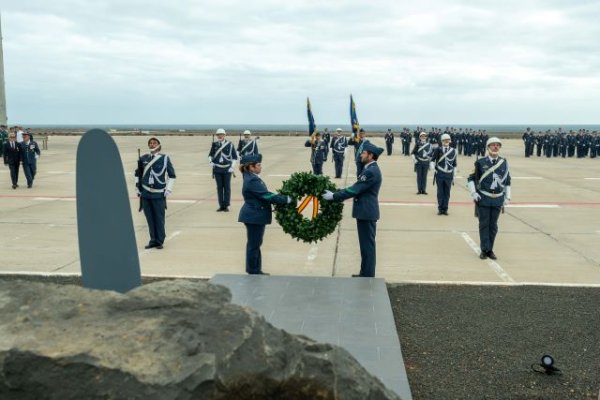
<point>580,144</point>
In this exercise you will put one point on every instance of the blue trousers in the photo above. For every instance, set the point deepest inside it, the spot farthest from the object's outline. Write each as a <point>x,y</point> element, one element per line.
<point>154,210</point>
<point>366,240</point>
<point>254,234</point>
<point>443,191</point>
<point>29,170</point>
<point>339,164</point>
<point>422,169</point>
<point>223,188</point>
<point>488,226</point>
<point>317,169</point>
<point>388,147</point>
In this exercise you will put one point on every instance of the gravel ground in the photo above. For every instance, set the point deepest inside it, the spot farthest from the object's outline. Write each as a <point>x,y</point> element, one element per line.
<point>478,342</point>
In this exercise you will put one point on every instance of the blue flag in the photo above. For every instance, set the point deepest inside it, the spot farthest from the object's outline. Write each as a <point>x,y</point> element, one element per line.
<point>353,118</point>
<point>311,119</point>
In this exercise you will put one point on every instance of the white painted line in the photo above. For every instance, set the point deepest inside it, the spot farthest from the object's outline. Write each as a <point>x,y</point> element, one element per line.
<point>407,204</point>
<point>593,179</point>
<point>493,265</point>
<point>533,206</point>
<point>311,256</point>
<point>171,236</point>
<point>527,177</point>
<point>44,198</point>
<point>181,201</point>
<point>282,175</point>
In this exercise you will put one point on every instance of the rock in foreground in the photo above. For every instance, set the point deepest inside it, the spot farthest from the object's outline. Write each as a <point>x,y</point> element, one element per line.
<point>166,340</point>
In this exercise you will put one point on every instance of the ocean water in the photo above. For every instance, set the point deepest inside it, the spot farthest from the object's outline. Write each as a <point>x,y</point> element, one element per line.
<point>331,127</point>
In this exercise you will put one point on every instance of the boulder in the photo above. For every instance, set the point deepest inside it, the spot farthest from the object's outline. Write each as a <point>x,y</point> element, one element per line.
<point>165,340</point>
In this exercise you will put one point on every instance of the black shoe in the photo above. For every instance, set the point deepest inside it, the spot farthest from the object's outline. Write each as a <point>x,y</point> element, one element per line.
<point>491,255</point>
<point>220,209</point>
<point>159,247</point>
<point>28,186</point>
<point>482,255</point>
<point>445,212</point>
<point>17,185</point>
<point>440,212</point>
<point>226,209</point>
<point>424,192</point>
<point>14,186</point>
<point>418,192</point>
<point>149,246</point>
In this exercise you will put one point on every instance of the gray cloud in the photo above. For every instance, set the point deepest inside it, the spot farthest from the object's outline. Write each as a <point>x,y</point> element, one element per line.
<point>255,62</point>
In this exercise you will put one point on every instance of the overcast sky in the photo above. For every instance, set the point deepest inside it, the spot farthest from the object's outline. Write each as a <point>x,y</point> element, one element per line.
<point>235,61</point>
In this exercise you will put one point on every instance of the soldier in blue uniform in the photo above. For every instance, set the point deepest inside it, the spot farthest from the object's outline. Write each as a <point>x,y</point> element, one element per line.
<point>12,158</point>
<point>421,155</point>
<point>256,212</point>
<point>318,153</point>
<point>338,148</point>
<point>157,180</point>
<point>365,207</point>
<point>30,152</point>
<point>444,166</point>
<point>489,186</point>
<point>358,142</point>
<point>222,158</point>
<point>389,141</point>
<point>327,139</point>
<point>247,145</point>
<point>406,139</point>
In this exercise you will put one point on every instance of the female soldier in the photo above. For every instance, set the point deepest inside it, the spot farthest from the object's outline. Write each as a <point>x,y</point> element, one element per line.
<point>256,211</point>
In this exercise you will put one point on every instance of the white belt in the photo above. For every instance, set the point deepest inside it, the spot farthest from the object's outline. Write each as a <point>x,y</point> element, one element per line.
<point>492,195</point>
<point>423,159</point>
<point>152,190</point>
<point>223,165</point>
<point>448,171</point>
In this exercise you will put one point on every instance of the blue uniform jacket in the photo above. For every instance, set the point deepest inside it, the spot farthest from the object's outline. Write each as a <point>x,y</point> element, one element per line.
<point>339,144</point>
<point>257,201</point>
<point>424,155</point>
<point>365,192</point>
<point>223,159</point>
<point>28,152</point>
<point>491,188</point>
<point>445,167</point>
<point>155,178</point>
<point>318,151</point>
<point>247,146</point>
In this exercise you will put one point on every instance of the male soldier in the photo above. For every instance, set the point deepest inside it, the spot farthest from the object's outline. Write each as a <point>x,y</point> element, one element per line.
<point>406,139</point>
<point>30,152</point>
<point>526,141</point>
<point>365,207</point>
<point>389,141</point>
<point>421,156</point>
<point>327,140</point>
<point>318,151</point>
<point>222,158</point>
<point>3,138</point>
<point>338,147</point>
<point>157,180</point>
<point>247,145</point>
<point>358,142</point>
<point>489,186</point>
<point>444,164</point>
<point>12,158</point>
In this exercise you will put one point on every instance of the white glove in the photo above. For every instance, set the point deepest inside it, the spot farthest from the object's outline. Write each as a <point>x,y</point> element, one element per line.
<point>414,159</point>
<point>507,195</point>
<point>230,170</point>
<point>327,195</point>
<point>431,165</point>
<point>169,188</point>
<point>167,193</point>
<point>209,159</point>
<point>211,164</point>
<point>471,186</point>
<point>289,199</point>
<point>476,196</point>
<point>454,171</point>
<point>37,156</point>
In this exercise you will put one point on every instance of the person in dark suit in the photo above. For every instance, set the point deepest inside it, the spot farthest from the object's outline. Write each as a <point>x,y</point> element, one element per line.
<point>489,185</point>
<point>12,158</point>
<point>365,207</point>
<point>256,212</point>
<point>30,152</point>
<point>157,181</point>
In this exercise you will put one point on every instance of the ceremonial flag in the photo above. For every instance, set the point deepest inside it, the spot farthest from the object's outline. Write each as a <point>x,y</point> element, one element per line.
<point>311,119</point>
<point>353,119</point>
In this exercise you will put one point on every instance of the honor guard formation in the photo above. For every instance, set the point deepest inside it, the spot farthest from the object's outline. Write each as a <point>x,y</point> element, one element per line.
<point>580,144</point>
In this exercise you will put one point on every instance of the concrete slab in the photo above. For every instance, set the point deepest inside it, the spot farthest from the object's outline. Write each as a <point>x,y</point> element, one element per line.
<point>352,313</point>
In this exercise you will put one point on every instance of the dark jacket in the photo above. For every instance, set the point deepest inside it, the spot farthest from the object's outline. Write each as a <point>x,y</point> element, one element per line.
<point>155,178</point>
<point>257,201</point>
<point>29,151</point>
<point>492,187</point>
<point>11,156</point>
<point>365,192</point>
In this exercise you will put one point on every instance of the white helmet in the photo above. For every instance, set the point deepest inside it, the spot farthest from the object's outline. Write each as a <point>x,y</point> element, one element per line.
<point>445,136</point>
<point>423,134</point>
<point>247,132</point>
<point>221,131</point>
<point>338,130</point>
<point>491,140</point>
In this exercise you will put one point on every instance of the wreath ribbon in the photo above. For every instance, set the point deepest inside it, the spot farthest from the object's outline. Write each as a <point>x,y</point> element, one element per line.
<point>306,201</point>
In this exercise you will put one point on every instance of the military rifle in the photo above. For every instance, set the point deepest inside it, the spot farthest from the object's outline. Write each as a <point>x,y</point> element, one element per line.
<point>140,175</point>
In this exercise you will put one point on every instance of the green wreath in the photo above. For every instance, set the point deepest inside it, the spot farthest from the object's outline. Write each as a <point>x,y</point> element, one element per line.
<point>305,188</point>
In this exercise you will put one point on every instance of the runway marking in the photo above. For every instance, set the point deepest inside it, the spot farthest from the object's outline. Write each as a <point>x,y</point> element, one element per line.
<point>168,238</point>
<point>182,201</point>
<point>60,172</point>
<point>533,206</point>
<point>311,256</point>
<point>593,179</point>
<point>45,198</point>
<point>526,177</point>
<point>493,264</point>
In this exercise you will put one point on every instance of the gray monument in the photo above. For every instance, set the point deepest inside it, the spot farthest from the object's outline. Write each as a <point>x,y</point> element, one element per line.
<point>3,119</point>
